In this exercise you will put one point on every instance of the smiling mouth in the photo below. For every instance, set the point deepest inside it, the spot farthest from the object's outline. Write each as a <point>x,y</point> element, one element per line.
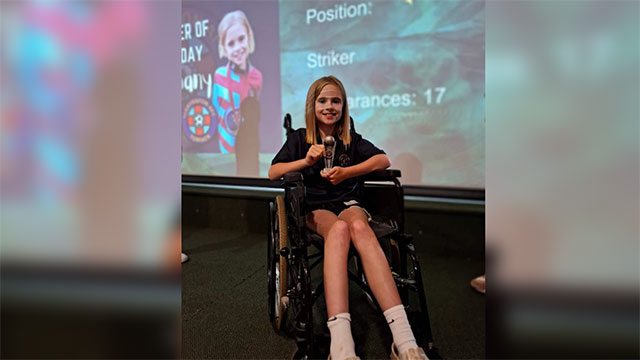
<point>238,54</point>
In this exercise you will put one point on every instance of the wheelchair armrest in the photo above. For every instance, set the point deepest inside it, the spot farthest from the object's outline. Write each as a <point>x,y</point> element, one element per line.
<point>382,175</point>
<point>292,177</point>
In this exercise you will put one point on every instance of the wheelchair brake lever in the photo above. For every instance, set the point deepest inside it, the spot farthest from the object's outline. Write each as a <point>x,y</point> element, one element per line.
<point>402,281</point>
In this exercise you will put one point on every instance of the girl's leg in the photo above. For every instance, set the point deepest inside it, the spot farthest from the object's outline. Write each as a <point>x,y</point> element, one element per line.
<point>336,249</point>
<point>336,286</point>
<point>378,274</point>
<point>375,265</point>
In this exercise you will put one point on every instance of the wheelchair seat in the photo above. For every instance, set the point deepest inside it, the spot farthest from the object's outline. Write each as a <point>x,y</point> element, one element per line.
<point>291,259</point>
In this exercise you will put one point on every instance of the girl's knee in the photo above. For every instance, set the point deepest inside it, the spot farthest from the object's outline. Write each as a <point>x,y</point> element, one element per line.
<point>363,237</point>
<point>338,235</point>
<point>360,228</point>
<point>339,227</point>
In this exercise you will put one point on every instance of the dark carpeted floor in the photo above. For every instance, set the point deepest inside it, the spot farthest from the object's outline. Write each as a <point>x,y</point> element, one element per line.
<point>224,301</point>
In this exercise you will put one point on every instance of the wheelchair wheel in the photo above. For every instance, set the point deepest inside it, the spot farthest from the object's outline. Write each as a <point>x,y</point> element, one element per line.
<point>277,269</point>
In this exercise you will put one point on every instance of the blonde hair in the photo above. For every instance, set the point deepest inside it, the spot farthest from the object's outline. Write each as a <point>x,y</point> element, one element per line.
<point>230,19</point>
<point>344,131</point>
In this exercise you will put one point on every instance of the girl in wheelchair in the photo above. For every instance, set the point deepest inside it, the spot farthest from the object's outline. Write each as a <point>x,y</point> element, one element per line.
<point>334,212</point>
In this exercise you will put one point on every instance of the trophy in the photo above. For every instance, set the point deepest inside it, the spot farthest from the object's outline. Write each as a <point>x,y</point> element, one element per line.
<point>329,148</point>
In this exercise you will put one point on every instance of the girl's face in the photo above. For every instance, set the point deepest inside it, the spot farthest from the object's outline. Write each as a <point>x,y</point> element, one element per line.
<point>236,45</point>
<point>329,105</point>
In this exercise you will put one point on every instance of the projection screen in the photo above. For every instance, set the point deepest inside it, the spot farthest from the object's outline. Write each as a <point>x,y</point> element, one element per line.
<point>413,71</point>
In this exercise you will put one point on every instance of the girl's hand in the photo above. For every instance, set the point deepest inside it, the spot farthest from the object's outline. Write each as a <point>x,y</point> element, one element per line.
<point>335,175</point>
<point>314,154</point>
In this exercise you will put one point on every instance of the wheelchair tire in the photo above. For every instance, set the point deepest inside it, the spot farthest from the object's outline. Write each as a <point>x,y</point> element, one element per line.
<point>277,264</point>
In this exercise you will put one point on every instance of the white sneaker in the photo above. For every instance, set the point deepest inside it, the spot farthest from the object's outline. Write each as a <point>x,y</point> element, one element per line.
<point>185,257</point>
<point>411,354</point>
<point>349,358</point>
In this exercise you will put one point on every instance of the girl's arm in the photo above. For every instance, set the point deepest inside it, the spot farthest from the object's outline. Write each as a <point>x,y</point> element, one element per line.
<point>277,170</point>
<point>376,162</point>
<point>338,174</point>
<point>314,154</point>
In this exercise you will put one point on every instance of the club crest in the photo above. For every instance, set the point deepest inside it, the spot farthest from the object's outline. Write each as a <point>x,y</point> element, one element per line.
<point>196,120</point>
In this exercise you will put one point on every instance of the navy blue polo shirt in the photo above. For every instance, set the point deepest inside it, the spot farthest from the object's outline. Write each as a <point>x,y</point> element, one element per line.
<point>318,189</point>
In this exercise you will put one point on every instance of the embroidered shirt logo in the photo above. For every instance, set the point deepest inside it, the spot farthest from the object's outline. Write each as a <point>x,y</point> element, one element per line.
<point>344,160</point>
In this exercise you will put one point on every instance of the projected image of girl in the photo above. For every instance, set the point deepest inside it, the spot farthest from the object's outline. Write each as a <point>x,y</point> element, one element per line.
<point>237,80</point>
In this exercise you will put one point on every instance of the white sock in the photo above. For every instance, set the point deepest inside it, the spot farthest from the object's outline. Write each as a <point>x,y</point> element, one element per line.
<point>400,328</point>
<point>342,345</point>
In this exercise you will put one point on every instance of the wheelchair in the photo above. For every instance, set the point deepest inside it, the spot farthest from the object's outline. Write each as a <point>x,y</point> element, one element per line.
<point>291,259</point>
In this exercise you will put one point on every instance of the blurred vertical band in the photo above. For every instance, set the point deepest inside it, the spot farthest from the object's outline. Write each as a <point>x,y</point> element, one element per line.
<point>90,179</point>
<point>562,177</point>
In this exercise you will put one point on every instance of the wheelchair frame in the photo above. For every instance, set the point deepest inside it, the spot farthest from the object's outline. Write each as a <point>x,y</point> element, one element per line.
<point>289,268</point>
